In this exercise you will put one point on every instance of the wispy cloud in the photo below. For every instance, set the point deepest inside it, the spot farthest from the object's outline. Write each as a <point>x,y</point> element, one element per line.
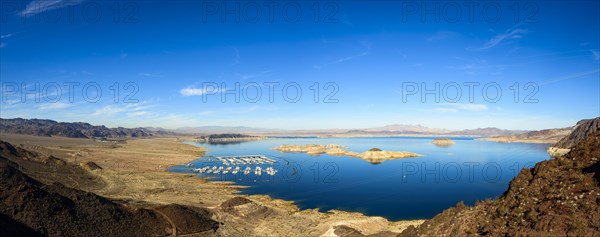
<point>236,58</point>
<point>341,60</point>
<point>7,35</point>
<point>441,35</point>
<point>147,74</point>
<point>512,33</point>
<point>192,91</point>
<point>478,66</point>
<point>470,107</point>
<point>39,6</point>
<point>58,105</point>
<point>250,76</point>
<point>456,107</point>
<point>596,54</point>
<point>569,77</point>
<point>445,110</point>
<point>108,110</point>
<point>138,113</point>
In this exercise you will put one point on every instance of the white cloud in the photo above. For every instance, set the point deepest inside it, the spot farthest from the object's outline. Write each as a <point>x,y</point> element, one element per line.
<point>513,33</point>
<point>192,91</point>
<point>108,110</point>
<point>39,6</point>
<point>58,105</point>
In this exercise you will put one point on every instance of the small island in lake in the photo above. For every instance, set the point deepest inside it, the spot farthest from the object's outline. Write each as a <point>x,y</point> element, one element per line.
<point>374,155</point>
<point>443,142</point>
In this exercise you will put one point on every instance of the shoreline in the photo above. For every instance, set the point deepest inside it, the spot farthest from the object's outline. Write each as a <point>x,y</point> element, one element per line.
<point>137,173</point>
<point>232,183</point>
<point>504,140</point>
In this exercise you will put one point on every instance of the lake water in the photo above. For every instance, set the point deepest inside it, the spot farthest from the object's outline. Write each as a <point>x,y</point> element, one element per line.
<point>411,188</point>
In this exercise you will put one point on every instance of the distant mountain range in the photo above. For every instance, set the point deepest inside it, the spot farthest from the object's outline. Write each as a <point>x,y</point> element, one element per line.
<point>44,127</point>
<point>388,130</point>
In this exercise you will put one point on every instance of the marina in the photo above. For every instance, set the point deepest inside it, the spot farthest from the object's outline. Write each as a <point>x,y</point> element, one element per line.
<point>235,164</point>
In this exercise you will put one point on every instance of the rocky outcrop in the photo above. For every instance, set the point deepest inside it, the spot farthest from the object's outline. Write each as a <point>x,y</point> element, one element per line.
<point>374,155</point>
<point>48,128</point>
<point>90,166</point>
<point>580,131</point>
<point>558,197</point>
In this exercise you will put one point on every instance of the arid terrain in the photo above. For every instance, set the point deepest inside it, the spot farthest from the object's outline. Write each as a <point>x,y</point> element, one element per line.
<point>133,173</point>
<point>88,184</point>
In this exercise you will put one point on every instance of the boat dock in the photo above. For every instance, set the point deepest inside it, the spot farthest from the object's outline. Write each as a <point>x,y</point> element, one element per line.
<point>229,162</point>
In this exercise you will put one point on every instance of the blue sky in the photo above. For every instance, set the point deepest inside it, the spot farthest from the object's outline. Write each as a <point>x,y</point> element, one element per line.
<point>359,54</point>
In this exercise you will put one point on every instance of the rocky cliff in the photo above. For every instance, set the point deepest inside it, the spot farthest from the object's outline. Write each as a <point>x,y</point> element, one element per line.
<point>558,197</point>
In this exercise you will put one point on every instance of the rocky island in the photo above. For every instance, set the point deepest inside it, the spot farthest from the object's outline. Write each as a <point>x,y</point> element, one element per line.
<point>374,156</point>
<point>443,142</point>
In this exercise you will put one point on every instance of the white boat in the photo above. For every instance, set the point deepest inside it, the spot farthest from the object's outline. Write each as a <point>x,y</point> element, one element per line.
<point>258,171</point>
<point>247,170</point>
<point>236,170</point>
<point>271,171</point>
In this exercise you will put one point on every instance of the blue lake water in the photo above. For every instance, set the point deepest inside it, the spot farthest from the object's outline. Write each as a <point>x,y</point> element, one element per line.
<point>410,188</point>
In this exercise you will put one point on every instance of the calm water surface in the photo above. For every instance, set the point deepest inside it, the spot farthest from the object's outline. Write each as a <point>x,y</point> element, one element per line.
<point>409,188</point>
